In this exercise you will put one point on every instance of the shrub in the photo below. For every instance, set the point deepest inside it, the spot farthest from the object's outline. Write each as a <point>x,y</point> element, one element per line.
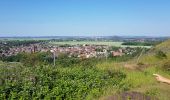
<point>166,65</point>
<point>160,54</point>
<point>46,82</point>
<point>152,92</point>
<point>65,61</point>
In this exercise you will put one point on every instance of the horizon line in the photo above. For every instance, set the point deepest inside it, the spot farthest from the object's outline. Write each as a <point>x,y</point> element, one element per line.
<point>81,36</point>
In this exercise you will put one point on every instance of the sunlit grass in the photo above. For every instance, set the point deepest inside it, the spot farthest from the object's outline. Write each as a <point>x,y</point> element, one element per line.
<point>139,80</point>
<point>88,42</point>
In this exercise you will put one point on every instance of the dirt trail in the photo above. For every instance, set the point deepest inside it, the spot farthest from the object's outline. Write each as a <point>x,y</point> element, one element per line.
<point>130,66</point>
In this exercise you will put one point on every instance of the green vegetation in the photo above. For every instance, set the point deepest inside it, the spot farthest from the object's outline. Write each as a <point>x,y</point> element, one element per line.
<point>32,76</point>
<point>49,82</point>
<point>87,42</point>
<point>140,43</point>
<point>108,43</point>
<point>166,66</point>
<point>163,46</point>
<point>29,59</point>
<point>161,55</point>
<point>19,43</point>
<point>7,44</point>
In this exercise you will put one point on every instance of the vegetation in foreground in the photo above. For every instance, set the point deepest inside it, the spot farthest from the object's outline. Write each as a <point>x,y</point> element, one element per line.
<point>85,79</point>
<point>49,82</point>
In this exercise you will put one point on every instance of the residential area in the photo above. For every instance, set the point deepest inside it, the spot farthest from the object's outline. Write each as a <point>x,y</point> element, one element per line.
<point>80,51</point>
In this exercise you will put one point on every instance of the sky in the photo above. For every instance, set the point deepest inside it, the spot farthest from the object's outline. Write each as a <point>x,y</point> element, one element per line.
<point>84,18</point>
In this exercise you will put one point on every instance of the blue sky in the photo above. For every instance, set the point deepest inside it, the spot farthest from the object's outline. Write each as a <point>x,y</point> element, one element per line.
<point>84,17</point>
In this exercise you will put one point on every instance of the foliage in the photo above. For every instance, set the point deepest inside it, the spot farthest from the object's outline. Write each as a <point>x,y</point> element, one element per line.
<point>40,58</point>
<point>30,59</point>
<point>160,54</point>
<point>129,54</point>
<point>152,92</point>
<point>91,62</point>
<point>140,64</point>
<point>149,43</point>
<point>46,82</point>
<point>166,66</point>
<point>65,61</point>
<point>78,78</point>
<point>6,45</point>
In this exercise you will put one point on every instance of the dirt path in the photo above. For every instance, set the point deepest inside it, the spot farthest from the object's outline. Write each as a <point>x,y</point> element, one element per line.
<point>130,66</point>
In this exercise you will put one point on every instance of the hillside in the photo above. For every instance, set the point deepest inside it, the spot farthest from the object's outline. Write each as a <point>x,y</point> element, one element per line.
<point>87,79</point>
<point>164,46</point>
<point>150,56</point>
<point>140,77</point>
<point>149,64</point>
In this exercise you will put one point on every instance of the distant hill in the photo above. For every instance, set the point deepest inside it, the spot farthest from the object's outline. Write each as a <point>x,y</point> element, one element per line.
<point>150,56</point>
<point>164,46</point>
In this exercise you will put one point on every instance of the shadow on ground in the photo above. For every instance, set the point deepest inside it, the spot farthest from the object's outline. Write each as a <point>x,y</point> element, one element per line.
<point>131,96</point>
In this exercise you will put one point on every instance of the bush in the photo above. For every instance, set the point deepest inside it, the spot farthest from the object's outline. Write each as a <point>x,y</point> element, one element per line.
<point>161,55</point>
<point>152,92</point>
<point>166,66</point>
<point>65,61</point>
<point>140,64</point>
<point>46,82</point>
<point>30,59</point>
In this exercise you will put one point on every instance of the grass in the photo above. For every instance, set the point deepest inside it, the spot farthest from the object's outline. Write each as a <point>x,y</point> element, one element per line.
<point>146,83</point>
<point>164,46</point>
<point>140,80</point>
<point>136,80</point>
<point>87,42</point>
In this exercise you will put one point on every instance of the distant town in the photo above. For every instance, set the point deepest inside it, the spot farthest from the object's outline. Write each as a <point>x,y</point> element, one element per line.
<point>85,50</point>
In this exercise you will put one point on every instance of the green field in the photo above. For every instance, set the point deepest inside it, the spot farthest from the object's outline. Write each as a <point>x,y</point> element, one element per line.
<point>116,44</point>
<point>87,42</point>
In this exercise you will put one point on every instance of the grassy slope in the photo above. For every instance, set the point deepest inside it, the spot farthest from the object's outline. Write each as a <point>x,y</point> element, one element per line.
<point>165,46</point>
<point>142,79</point>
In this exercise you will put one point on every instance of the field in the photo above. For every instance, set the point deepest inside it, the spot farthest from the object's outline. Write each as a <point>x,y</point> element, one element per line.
<point>109,43</point>
<point>87,42</point>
